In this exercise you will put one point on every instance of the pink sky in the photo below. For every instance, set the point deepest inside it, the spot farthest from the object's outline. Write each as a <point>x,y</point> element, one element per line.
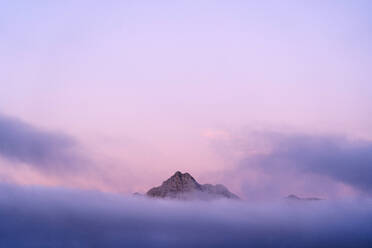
<point>148,89</point>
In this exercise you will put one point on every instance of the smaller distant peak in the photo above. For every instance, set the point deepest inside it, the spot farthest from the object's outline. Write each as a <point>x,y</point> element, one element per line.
<point>292,196</point>
<point>295,197</point>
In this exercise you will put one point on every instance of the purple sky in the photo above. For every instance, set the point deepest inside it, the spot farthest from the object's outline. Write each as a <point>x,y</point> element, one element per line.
<point>268,98</point>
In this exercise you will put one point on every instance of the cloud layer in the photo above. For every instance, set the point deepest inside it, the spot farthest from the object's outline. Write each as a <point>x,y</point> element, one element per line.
<point>41,217</point>
<point>24,143</point>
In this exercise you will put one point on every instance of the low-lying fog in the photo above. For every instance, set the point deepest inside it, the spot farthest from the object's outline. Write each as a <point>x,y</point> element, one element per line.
<point>55,217</point>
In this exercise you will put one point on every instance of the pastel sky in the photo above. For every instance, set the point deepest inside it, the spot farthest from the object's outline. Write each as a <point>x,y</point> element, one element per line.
<point>266,97</point>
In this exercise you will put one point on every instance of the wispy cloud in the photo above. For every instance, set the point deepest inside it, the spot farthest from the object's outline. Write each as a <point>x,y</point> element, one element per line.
<point>48,151</point>
<point>266,163</point>
<point>337,158</point>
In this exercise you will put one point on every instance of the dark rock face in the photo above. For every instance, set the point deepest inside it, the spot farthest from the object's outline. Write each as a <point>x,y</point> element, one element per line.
<point>184,186</point>
<point>296,198</point>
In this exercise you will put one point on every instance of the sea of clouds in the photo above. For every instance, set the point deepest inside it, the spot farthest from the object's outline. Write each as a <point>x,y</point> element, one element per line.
<point>57,217</point>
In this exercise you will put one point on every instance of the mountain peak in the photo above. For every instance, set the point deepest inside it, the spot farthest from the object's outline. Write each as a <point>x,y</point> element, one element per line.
<point>182,176</point>
<point>178,173</point>
<point>184,186</point>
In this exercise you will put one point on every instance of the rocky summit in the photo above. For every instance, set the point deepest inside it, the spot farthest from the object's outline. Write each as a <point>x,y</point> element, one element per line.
<point>184,186</point>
